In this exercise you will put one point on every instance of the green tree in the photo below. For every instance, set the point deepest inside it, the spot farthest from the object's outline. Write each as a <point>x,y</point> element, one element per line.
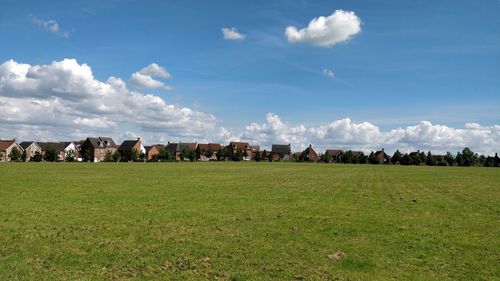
<point>37,157</point>
<point>423,157</point>
<point>15,155</point>
<point>347,157</point>
<point>51,155</point>
<point>430,161</point>
<point>116,156</point>
<point>362,158</point>
<point>396,157</point>
<point>469,158</point>
<point>405,160</point>
<point>257,156</point>
<point>134,155</point>
<point>108,157</point>
<point>449,158</point>
<point>326,157</point>
<point>70,156</point>
<point>24,156</point>
<point>87,155</point>
<point>414,159</point>
<point>372,158</point>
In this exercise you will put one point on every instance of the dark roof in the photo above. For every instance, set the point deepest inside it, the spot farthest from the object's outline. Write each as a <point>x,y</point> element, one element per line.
<point>357,153</point>
<point>334,152</point>
<point>128,145</point>
<point>157,146</point>
<point>4,144</point>
<point>55,145</point>
<point>281,148</point>
<point>178,147</point>
<point>209,146</point>
<point>26,144</point>
<point>311,154</point>
<point>102,142</point>
<point>239,145</point>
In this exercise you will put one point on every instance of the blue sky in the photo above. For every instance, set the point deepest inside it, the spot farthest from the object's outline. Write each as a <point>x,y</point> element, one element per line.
<point>437,61</point>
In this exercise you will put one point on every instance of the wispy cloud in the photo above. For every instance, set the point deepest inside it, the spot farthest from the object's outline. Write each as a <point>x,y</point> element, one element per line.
<point>328,73</point>
<point>50,25</point>
<point>233,34</point>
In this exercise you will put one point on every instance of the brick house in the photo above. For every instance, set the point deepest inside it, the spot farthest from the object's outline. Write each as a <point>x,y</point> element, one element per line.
<point>382,157</point>
<point>177,148</point>
<point>6,147</point>
<point>95,149</point>
<point>62,148</point>
<point>310,155</point>
<point>153,151</point>
<point>281,152</point>
<point>335,155</point>
<point>129,147</point>
<point>243,147</point>
<point>204,148</point>
<point>31,149</point>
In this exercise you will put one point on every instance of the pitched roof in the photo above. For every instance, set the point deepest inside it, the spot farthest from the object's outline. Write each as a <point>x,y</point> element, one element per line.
<point>55,145</point>
<point>180,146</point>
<point>102,142</point>
<point>4,144</point>
<point>281,148</point>
<point>128,145</point>
<point>239,145</point>
<point>209,146</point>
<point>156,146</point>
<point>357,153</point>
<point>312,155</point>
<point>26,144</point>
<point>334,152</point>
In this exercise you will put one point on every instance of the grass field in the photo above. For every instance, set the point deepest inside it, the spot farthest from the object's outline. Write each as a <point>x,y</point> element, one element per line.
<point>248,221</point>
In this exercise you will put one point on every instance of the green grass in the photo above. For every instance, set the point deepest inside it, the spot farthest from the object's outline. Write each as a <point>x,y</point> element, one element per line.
<point>248,221</point>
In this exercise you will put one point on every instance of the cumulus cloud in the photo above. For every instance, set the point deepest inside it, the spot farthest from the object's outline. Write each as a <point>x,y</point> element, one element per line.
<point>326,31</point>
<point>232,34</point>
<point>348,135</point>
<point>144,77</point>
<point>64,98</point>
<point>328,73</point>
<point>50,25</point>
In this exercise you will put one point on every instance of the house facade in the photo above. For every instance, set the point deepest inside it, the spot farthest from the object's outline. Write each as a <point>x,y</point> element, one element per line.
<point>207,151</point>
<point>382,157</point>
<point>63,149</point>
<point>244,147</point>
<point>31,149</point>
<point>177,148</point>
<point>153,152</point>
<point>6,147</point>
<point>130,147</point>
<point>310,155</point>
<point>335,155</point>
<point>281,152</point>
<point>94,149</point>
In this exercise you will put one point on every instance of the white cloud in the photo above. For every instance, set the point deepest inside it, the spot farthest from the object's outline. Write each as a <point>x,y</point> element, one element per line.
<point>50,25</point>
<point>328,73</point>
<point>326,31</point>
<point>232,34</point>
<point>144,77</point>
<point>346,134</point>
<point>64,98</point>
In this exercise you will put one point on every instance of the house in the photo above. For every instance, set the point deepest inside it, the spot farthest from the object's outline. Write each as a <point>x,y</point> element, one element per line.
<point>177,148</point>
<point>95,149</point>
<point>63,149</point>
<point>131,149</point>
<point>382,157</point>
<point>358,157</point>
<point>6,147</point>
<point>207,151</point>
<point>310,155</point>
<point>335,155</point>
<point>281,152</point>
<point>31,149</point>
<point>243,147</point>
<point>153,151</point>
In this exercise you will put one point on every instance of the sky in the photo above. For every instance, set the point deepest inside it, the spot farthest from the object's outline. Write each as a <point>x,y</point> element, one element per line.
<point>358,75</point>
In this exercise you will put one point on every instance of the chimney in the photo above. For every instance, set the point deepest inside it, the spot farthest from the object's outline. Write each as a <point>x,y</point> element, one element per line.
<point>382,149</point>
<point>310,145</point>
